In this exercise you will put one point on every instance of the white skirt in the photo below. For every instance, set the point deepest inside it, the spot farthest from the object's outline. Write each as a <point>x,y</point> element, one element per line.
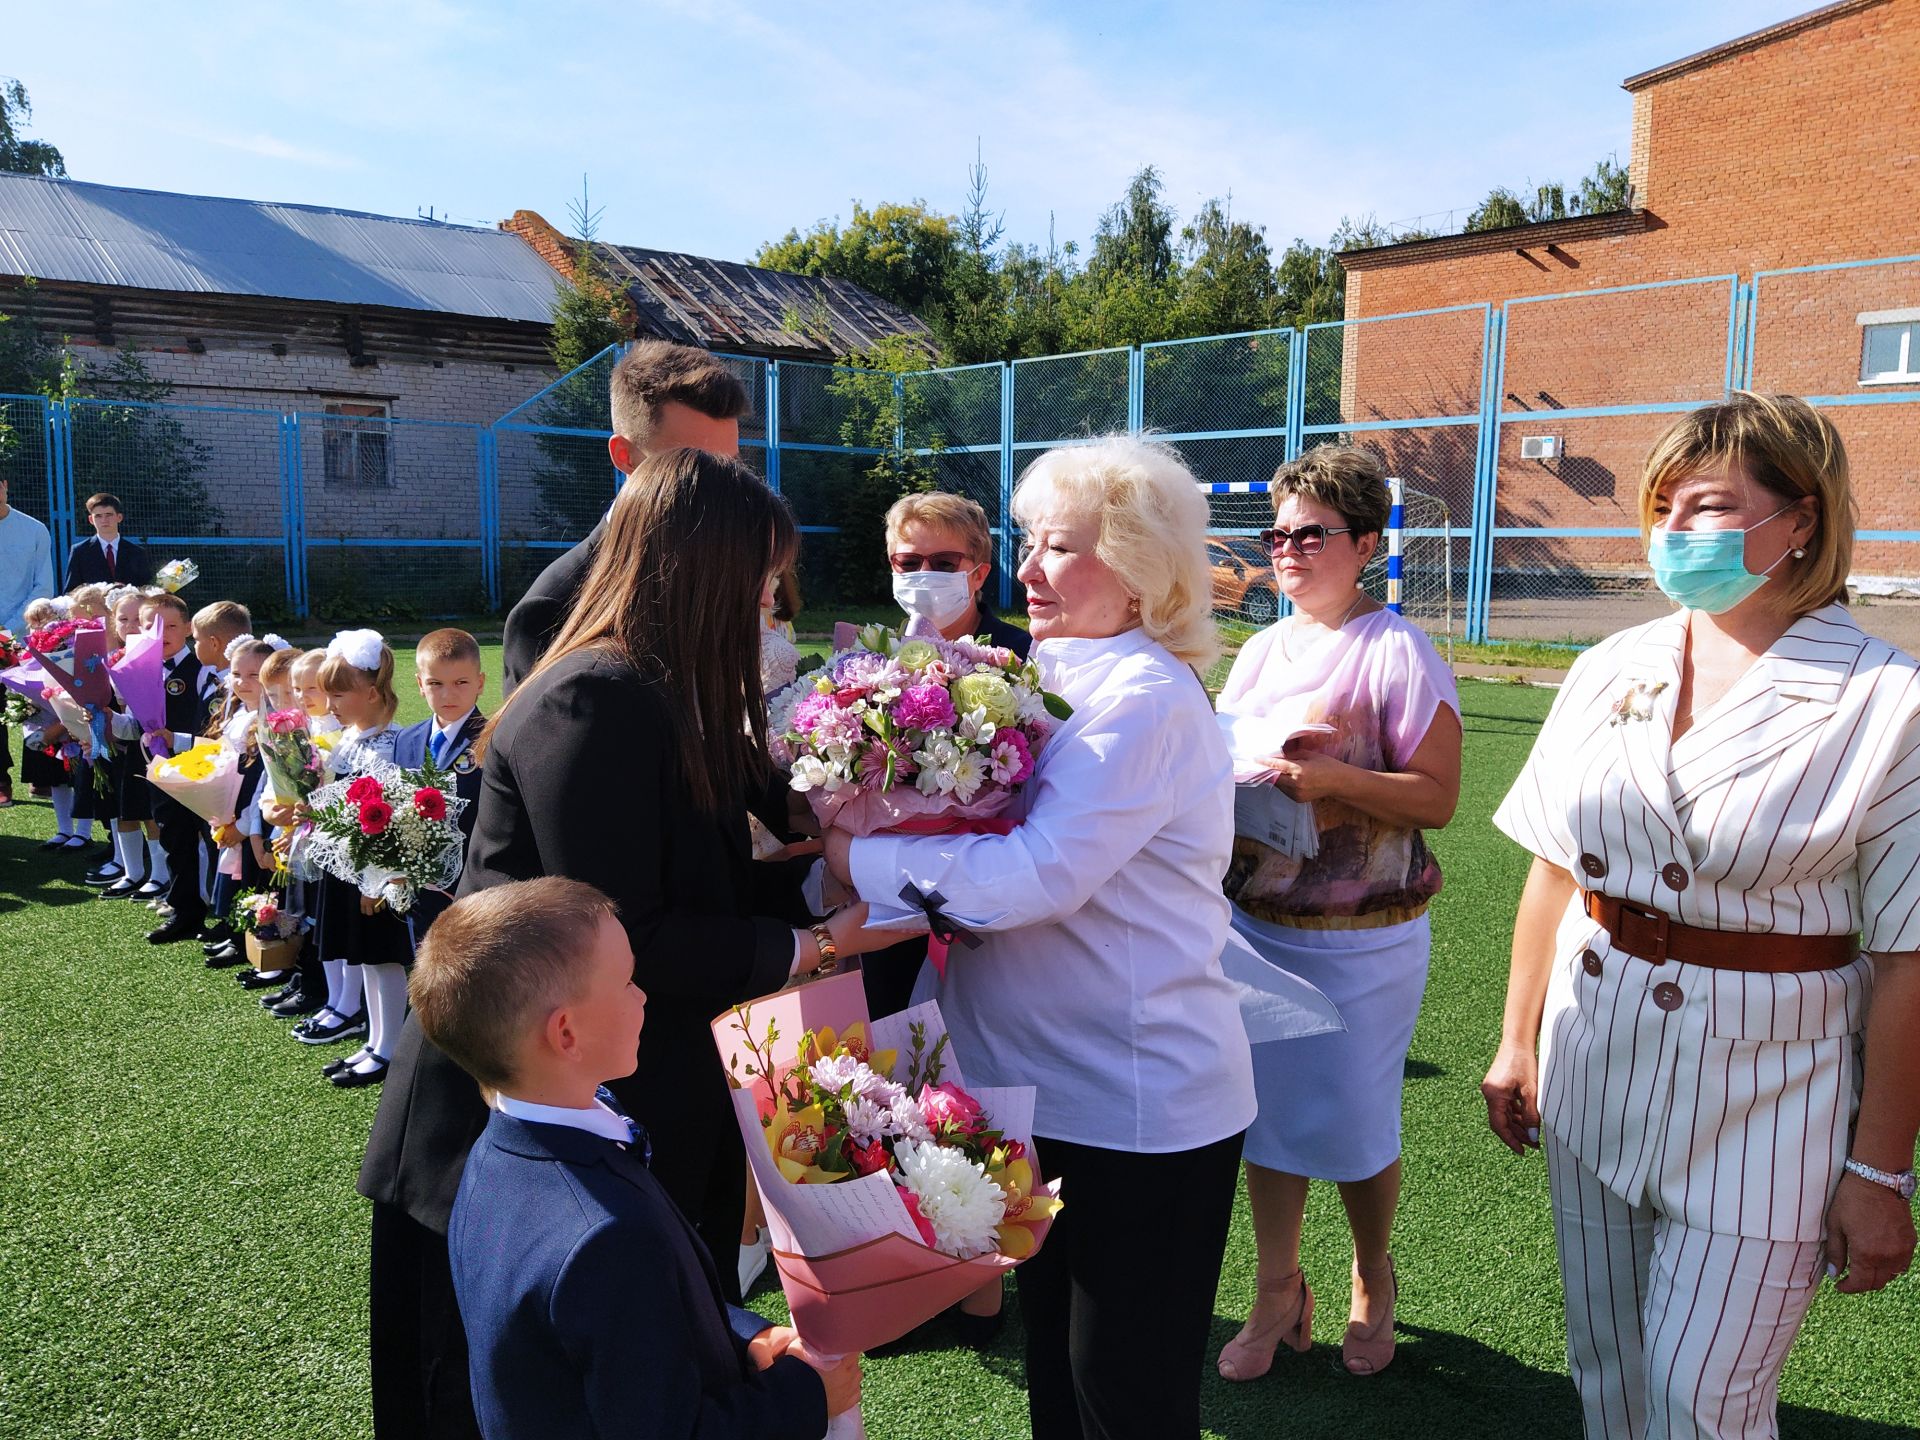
<point>1330,1104</point>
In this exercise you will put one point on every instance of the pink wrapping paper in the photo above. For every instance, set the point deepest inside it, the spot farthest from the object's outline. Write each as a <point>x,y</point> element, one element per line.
<point>136,675</point>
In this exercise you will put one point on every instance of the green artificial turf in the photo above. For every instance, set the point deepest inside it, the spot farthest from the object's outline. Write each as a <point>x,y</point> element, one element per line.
<point>182,1252</point>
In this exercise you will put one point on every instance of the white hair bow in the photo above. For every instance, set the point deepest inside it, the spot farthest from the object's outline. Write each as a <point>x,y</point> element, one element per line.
<point>235,646</point>
<point>274,642</point>
<point>359,648</point>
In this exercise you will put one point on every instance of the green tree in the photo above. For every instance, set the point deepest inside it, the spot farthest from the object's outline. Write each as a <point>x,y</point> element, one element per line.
<point>590,314</point>
<point>1228,281</point>
<point>19,156</point>
<point>902,253</point>
<point>1501,208</point>
<point>1605,188</point>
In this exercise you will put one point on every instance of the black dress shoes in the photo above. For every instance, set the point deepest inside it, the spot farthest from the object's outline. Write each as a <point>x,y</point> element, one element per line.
<point>224,957</point>
<point>107,874</point>
<point>123,889</point>
<point>355,1079</point>
<point>172,933</point>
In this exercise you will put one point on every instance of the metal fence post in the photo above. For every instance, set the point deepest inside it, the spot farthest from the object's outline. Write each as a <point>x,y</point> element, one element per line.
<point>1296,393</point>
<point>1493,364</point>
<point>296,492</point>
<point>487,477</point>
<point>53,424</point>
<point>1006,485</point>
<point>773,426</point>
<point>1136,389</point>
<point>899,417</point>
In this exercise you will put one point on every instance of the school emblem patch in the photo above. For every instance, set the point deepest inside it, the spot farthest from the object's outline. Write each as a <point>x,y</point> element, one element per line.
<point>176,686</point>
<point>463,763</point>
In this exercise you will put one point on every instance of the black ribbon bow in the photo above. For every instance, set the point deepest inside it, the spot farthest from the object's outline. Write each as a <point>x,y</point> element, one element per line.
<point>942,926</point>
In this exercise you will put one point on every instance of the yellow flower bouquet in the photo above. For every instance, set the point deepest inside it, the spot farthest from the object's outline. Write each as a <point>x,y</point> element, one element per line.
<point>205,779</point>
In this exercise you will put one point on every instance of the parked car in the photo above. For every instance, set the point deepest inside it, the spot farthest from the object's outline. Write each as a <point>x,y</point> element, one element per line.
<point>1243,585</point>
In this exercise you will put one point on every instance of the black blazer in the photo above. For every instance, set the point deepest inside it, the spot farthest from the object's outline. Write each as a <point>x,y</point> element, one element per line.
<point>87,563</point>
<point>538,615</point>
<point>592,1308</point>
<point>583,779</point>
<point>1003,633</point>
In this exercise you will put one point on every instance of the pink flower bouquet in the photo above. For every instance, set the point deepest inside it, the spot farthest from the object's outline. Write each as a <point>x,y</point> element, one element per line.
<point>912,732</point>
<point>892,1188</point>
<point>294,765</point>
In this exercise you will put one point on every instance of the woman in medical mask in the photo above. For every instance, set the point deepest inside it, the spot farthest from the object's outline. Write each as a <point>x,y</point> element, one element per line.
<point>941,553</point>
<point>1717,953</point>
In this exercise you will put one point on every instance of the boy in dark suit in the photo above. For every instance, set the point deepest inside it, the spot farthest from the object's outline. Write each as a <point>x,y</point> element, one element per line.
<point>448,671</point>
<point>591,1306</point>
<point>107,557</point>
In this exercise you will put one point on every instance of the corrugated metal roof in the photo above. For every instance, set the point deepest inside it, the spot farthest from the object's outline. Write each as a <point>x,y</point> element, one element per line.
<point>152,240</point>
<point>725,305</point>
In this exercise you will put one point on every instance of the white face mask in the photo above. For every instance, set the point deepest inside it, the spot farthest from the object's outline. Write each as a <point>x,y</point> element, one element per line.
<point>941,597</point>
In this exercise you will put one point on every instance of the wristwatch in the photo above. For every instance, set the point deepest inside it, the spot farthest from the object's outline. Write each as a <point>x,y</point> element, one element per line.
<point>1902,1184</point>
<point>829,952</point>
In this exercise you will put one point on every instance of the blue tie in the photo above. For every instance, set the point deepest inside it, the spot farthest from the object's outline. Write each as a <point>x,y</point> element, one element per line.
<point>439,747</point>
<point>637,1137</point>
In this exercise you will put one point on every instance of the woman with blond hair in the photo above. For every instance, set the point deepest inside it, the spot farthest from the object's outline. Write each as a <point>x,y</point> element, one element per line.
<point>1098,978</point>
<point>1724,812</point>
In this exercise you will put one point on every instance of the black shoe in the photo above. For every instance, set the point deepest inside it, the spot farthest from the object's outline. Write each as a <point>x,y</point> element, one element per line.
<point>345,1062</point>
<point>216,939</point>
<point>150,890</point>
<point>329,1028</point>
<point>58,842</point>
<point>108,874</point>
<point>252,979</point>
<point>354,1079</point>
<point>298,1003</point>
<point>977,1330</point>
<point>123,889</point>
<point>172,933</point>
<point>225,959</point>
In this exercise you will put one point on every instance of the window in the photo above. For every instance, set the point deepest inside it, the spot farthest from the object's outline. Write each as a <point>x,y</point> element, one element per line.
<point>356,434</point>
<point>1890,347</point>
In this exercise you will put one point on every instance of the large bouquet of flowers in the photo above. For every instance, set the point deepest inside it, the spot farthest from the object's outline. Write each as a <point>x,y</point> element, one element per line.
<point>11,650</point>
<point>912,732</point>
<point>205,779</point>
<point>892,1188</point>
<point>390,832</point>
<point>294,764</point>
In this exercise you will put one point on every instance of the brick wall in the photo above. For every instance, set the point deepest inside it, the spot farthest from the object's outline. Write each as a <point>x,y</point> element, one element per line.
<point>1797,151</point>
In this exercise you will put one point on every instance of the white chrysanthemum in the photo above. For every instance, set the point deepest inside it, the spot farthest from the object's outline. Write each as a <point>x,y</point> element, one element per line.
<point>840,1072</point>
<point>867,1122</point>
<point>955,1195</point>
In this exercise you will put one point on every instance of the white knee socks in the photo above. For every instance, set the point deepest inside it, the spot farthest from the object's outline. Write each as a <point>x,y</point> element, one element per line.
<point>343,987</point>
<point>62,811</point>
<point>386,1011</point>
<point>127,852</point>
<point>158,871</point>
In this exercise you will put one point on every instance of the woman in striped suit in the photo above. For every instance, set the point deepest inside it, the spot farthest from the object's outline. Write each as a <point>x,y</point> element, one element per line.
<point>1724,809</point>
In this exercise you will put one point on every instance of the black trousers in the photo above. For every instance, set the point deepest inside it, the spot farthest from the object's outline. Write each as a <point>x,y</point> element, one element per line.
<point>1119,1301</point>
<point>181,832</point>
<point>418,1345</point>
<point>889,976</point>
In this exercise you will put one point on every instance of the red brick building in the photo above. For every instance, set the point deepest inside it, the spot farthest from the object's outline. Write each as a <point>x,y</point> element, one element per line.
<point>1797,145</point>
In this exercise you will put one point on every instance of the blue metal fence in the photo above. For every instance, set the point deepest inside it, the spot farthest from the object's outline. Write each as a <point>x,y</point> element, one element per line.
<point>1525,420</point>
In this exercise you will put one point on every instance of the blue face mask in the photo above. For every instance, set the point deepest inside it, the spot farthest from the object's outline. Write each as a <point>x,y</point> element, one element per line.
<point>1707,569</point>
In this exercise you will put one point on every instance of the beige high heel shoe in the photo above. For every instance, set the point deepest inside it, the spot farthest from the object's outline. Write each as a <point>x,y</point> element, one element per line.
<point>1249,1355</point>
<point>1368,1349</point>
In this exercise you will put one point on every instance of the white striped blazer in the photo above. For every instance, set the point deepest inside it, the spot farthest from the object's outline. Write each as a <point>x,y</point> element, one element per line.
<point>1792,806</point>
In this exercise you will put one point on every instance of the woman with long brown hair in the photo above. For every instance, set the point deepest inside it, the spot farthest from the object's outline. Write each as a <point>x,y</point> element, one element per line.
<point>629,758</point>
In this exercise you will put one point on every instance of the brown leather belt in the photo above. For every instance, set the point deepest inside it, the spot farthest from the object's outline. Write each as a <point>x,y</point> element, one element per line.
<point>1650,935</point>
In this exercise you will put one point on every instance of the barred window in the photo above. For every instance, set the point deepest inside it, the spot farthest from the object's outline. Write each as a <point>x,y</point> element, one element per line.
<point>356,439</point>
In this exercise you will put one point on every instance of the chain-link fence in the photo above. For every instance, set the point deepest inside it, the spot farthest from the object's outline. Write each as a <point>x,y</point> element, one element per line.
<point>1518,429</point>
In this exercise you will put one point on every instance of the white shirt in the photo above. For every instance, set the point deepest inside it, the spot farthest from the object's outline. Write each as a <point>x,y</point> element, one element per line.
<point>438,731</point>
<point>1101,915</point>
<point>598,1120</point>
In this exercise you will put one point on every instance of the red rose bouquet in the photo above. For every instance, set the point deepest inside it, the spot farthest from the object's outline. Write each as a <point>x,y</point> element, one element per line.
<point>390,832</point>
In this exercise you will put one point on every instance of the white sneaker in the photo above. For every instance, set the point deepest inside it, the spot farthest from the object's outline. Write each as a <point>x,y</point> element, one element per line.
<point>753,1259</point>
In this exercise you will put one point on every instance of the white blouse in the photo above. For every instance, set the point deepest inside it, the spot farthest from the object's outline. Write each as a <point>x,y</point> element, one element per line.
<point>1101,915</point>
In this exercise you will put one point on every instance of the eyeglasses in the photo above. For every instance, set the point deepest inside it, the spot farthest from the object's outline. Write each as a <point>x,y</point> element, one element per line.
<point>907,562</point>
<point>1308,539</point>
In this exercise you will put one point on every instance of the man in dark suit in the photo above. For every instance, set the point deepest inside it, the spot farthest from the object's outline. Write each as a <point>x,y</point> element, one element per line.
<point>665,397</point>
<point>107,556</point>
<point>592,1307</point>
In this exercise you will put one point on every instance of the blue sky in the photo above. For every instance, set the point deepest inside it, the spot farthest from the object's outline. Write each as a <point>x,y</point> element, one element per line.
<point>712,125</point>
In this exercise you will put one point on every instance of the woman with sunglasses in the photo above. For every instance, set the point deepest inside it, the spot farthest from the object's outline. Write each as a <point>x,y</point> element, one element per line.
<point>941,552</point>
<point>1351,917</point>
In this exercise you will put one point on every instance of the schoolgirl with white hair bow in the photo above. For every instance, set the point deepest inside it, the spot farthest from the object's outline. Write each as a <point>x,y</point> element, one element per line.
<point>365,953</point>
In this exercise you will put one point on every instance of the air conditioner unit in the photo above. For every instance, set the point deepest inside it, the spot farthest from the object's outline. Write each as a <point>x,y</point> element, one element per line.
<point>1540,447</point>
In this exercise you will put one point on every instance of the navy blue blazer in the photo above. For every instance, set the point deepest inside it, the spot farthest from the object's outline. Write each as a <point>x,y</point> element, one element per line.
<point>87,563</point>
<point>410,753</point>
<point>591,1306</point>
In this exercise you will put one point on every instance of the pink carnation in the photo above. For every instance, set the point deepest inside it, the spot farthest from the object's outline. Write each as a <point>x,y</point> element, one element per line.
<point>923,707</point>
<point>808,714</point>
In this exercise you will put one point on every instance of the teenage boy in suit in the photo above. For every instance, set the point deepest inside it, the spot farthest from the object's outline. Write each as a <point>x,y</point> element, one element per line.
<point>664,397</point>
<point>107,556</point>
<point>591,1306</point>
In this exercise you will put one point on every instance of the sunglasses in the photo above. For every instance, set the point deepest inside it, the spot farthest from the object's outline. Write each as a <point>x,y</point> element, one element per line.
<point>946,562</point>
<point>1308,539</point>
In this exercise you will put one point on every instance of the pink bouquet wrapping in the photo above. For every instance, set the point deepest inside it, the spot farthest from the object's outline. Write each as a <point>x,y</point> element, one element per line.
<point>138,678</point>
<point>892,1189</point>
